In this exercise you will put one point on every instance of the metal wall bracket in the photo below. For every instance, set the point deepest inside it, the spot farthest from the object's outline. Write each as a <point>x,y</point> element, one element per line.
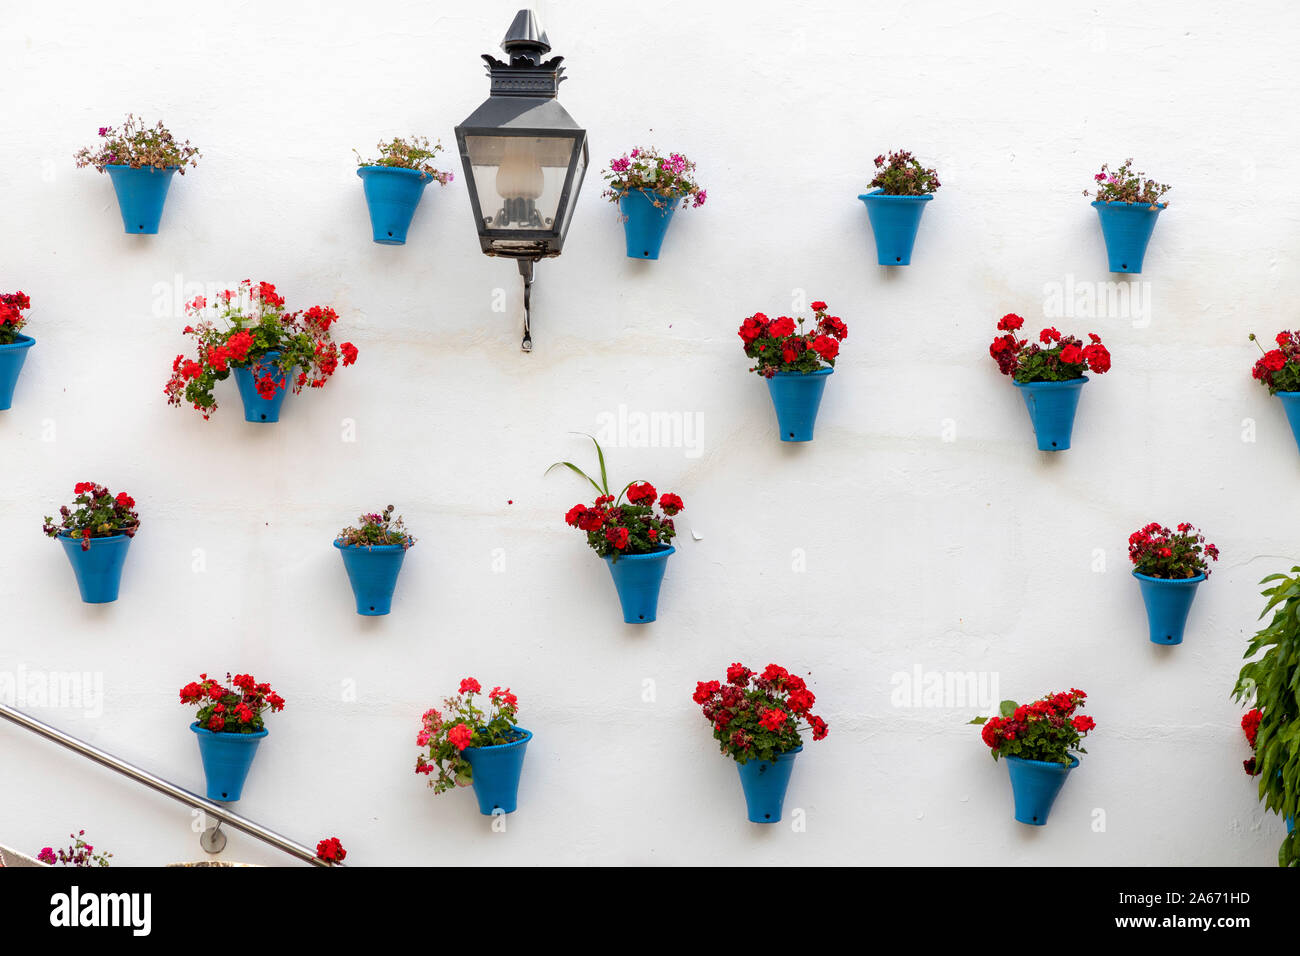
<point>212,839</point>
<point>526,270</point>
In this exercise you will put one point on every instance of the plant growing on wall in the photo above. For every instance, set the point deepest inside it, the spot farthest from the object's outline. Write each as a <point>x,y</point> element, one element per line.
<point>648,188</point>
<point>758,720</point>
<point>466,745</point>
<point>140,160</point>
<point>229,724</point>
<point>895,200</point>
<point>248,333</point>
<point>13,344</point>
<point>1278,370</point>
<point>1049,374</point>
<point>1270,680</point>
<point>1127,204</point>
<point>795,362</point>
<point>373,552</point>
<point>1169,566</point>
<point>394,183</point>
<point>80,853</point>
<point>1040,742</point>
<point>627,532</point>
<point>95,532</point>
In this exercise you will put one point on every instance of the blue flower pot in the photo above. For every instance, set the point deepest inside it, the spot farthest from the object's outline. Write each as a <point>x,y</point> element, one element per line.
<point>98,570</point>
<point>894,220</point>
<point>372,571</point>
<point>496,772</point>
<point>1034,785</point>
<point>226,759</point>
<point>12,358</point>
<point>644,223</point>
<point>1051,408</point>
<point>1290,403</point>
<point>1168,601</point>
<point>797,396</point>
<point>392,193</point>
<point>1126,227</point>
<point>141,193</point>
<point>637,578</point>
<point>256,408</point>
<point>765,783</point>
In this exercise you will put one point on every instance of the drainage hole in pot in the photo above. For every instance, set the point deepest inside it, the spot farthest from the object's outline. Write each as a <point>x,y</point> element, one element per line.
<point>372,607</point>
<point>1035,819</point>
<point>1053,444</point>
<point>390,235</point>
<point>140,227</point>
<point>898,258</point>
<point>224,794</point>
<point>767,816</point>
<point>646,253</point>
<point>641,616</point>
<point>263,416</point>
<point>1123,265</point>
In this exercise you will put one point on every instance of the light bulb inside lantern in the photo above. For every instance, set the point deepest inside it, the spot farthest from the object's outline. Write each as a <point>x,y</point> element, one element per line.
<point>520,174</point>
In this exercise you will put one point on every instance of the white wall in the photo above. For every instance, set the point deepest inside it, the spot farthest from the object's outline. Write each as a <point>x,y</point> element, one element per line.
<point>970,555</point>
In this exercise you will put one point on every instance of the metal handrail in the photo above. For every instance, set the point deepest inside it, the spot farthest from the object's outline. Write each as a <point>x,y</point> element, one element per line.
<point>164,787</point>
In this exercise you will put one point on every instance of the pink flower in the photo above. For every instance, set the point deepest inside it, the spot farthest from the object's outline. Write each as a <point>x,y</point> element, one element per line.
<point>460,736</point>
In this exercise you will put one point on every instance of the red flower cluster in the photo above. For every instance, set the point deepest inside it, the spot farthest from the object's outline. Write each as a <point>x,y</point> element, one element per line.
<point>259,335</point>
<point>331,850</point>
<point>445,738</point>
<point>756,716</point>
<point>1054,358</point>
<point>96,513</point>
<point>1158,552</point>
<point>777,347</point>
<point>1250,726</point>
<point>630,528</point>
<point>12,306</point>
<point>1279,369</point>
<point>1048,729</point>
<point>233,709</point>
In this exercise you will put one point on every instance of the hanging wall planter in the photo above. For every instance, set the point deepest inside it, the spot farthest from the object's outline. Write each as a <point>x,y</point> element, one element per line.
<point>1035,785</point>
<point>372,555</point>
<point>13,344</point>
<point>1049,375</point>
<point>1169,566</point>
<point>270,352</point>
<point>1127,205</point>
<point>229,728</point>
<point>758,720</point>
<point>96,532</point>
<point>394,184</point>
<point>141,162</point>
<point>1038,741</point>
<point>902,188</point>
<point>637,578</point>
<point>466,744</point>
<point>648,189</point>
<point>1278,370</point>
<point>634,541</point>
<point>796,365</point>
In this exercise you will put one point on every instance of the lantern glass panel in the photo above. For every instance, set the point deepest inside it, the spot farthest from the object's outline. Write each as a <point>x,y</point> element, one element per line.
<point>520,179</point>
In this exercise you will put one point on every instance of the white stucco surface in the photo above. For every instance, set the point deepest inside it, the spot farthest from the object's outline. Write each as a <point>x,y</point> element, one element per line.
<point>921,530</point>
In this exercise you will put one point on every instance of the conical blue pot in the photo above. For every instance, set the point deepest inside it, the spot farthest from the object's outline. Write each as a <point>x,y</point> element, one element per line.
<point>894,220</point>
<point>256,408</point>
<point>1126,227</point>
<point>1168,601</point>
<point>637,578</point>
<point>644,223</point>
<point>1051,408</point>
<point>496,773</point>
<point>392,193</point>
<point>98,570</point>
<point>141,193</point>
<point>765,783</point>
<point>372,571</point>
<point>797,396</point>
<point>12,357</point>
<point>226,759</point>
<point>1034,785</point>
<point>1290,403</point>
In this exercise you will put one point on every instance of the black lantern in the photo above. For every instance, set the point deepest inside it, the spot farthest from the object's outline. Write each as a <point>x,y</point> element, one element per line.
<point>524,156</point>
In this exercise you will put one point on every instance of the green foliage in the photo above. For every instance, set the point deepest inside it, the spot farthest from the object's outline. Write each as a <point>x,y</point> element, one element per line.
<point>1271,677</point>
<point>445,735</point>
<point>900,174</point>
<point>1049,729</point>
<point>137,145</point>
<point>1124,185</point>
<point>377,530</point>
<point>417,154</point>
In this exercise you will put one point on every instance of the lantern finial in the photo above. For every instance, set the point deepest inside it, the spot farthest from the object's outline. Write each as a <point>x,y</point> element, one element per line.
<point>525,39</point>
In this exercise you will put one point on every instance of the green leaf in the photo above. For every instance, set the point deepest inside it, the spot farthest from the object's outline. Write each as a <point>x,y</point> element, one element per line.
<point>1008,708</point>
